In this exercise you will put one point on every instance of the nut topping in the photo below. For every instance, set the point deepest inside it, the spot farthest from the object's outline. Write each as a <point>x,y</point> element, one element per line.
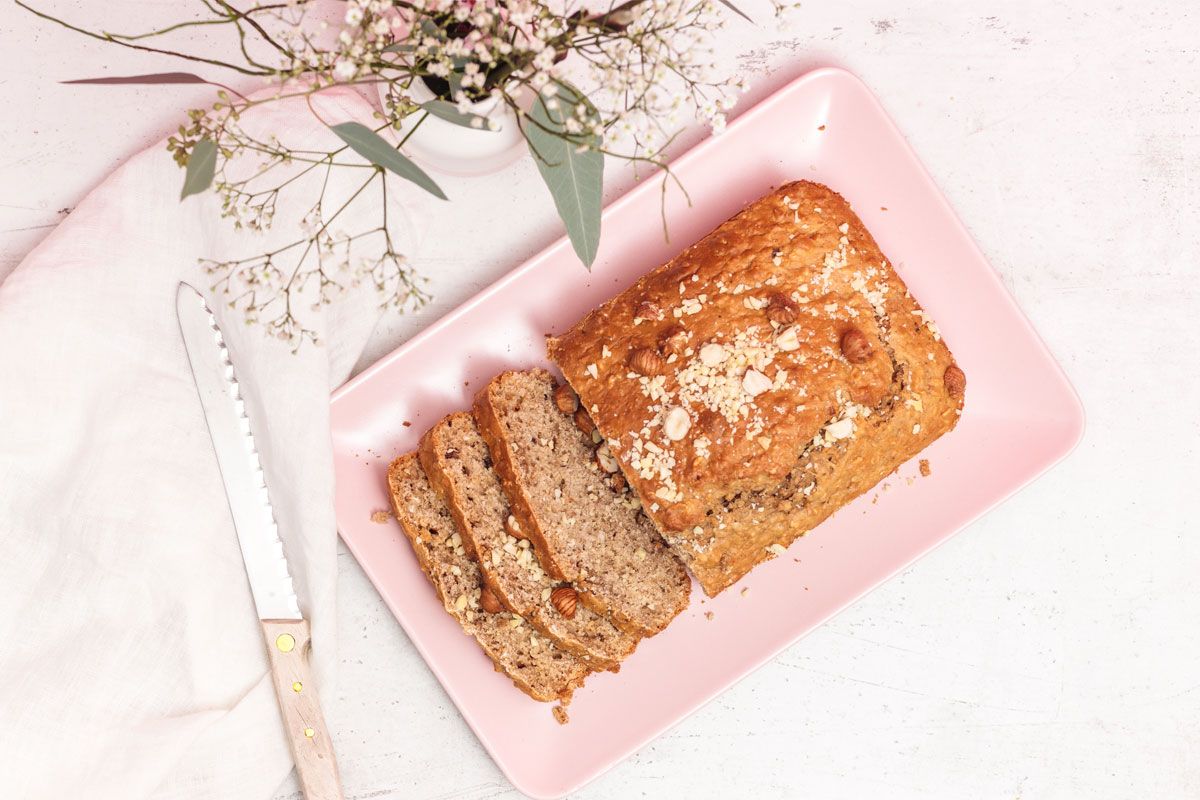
<point>712,355</point>
<point>564,598</point>
<point>673,341</point>
<point>646,362</point>
<point>676,423</point>
<point>755,383</point>
<point>513,528</point>
<point>645,310</point>
<point>617,482</point>
<point>855,346</point>
<point>566,399</point>
<point>781,309</point>
<point>604,458</point>
<point>584,422</point>
<point>488,602</point>
<point>788,339</point>
<point>955,380</point>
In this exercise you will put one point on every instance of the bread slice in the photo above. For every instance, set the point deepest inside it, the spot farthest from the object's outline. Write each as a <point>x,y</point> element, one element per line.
<point>459,467</point>
<point>583,530</point>
<point>535,665</point>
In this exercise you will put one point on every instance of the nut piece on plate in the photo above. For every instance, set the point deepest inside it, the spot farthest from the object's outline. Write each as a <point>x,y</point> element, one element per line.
<point>855,346</point>
<point>646,362</point>
<point>955,380</point>
<point>565,399</point>
<point>564,598</point>
<point>488,602</point>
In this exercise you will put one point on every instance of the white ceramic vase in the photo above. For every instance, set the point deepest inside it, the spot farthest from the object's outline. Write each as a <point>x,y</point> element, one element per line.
<point>453,149</point>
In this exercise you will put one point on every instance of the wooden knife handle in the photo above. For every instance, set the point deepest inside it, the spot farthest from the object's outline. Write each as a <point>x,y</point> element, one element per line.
<point>289,644</point>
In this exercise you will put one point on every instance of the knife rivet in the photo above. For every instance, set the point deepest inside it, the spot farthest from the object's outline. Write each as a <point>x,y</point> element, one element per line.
<point>297,686</point>
<point>309,732</point>
<point>285,642</point>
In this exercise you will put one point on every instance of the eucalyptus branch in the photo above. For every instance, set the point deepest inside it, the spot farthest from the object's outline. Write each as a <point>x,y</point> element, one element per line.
<point>108,37</point>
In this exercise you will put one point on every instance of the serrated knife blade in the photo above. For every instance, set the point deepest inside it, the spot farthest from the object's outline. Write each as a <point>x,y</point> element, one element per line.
<point>285,630</point>
<point>242,474</point>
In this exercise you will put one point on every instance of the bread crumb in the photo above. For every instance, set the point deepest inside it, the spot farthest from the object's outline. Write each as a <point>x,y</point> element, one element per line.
<point>381,516</point>
<point>560,714</point>
<point>708,615</point>
<point>923,464</point>
<point>745,590</point>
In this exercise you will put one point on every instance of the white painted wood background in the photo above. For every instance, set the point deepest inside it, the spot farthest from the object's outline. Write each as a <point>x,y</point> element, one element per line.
<point>1052,650</point>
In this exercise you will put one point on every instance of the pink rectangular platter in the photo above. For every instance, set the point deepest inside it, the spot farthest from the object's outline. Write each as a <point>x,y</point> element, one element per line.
<point>1021,417</point>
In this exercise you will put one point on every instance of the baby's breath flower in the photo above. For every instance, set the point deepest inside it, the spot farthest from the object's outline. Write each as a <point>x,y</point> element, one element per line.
<point>621,77</point>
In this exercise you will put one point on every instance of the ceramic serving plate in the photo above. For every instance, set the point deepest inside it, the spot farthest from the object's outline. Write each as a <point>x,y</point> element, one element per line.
<point>1021,417</point>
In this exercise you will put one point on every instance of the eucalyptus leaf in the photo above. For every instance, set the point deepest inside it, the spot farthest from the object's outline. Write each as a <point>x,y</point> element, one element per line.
<point>378,151</point>
<point>575,178</point>
<point>735,10</point>
<point>449,112</point>
<point>151,78</point>
<point>401,47</point>
<point>201,167</point>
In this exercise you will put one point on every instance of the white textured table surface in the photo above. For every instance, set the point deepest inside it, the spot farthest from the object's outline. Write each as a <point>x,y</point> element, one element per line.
<point>1051,649</point>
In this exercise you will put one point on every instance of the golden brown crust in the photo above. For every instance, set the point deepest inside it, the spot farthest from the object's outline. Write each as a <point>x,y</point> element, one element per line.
<point>723,458</point>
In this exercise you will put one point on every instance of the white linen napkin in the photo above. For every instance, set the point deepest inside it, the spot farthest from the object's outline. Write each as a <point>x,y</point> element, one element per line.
<point>131,660</point>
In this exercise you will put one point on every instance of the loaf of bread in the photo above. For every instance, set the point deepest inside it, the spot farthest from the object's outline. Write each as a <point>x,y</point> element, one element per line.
<point>585,531</point>
<point>535,665</point>
<point>458,464</point>
<point>762,379</point>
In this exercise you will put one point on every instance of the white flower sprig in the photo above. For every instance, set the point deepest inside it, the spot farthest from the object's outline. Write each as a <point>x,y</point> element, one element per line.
<point>607,79</point>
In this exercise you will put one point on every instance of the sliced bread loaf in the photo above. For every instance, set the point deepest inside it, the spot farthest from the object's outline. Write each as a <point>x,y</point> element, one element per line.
<point>584,531</point>
<point>459,467</point>
<point>535,665</point>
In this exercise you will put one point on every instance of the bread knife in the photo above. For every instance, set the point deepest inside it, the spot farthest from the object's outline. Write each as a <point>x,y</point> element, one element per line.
<point>284,627</point>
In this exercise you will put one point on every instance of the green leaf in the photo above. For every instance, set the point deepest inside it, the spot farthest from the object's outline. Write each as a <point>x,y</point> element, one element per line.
<point>402,47</point>
<point>575,179</point>
<point>735,10</point>
<point>450,113</point>
<point>375,148</point>
<point>201,167</point>
<point>152,78</point>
